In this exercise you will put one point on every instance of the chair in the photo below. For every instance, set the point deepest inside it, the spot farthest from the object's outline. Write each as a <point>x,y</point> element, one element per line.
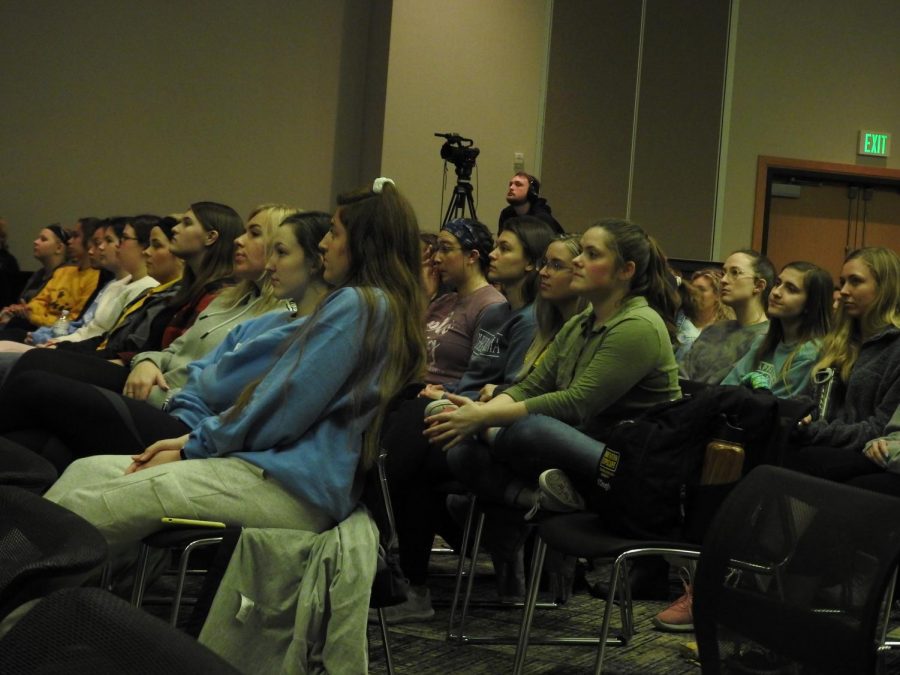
<point>584,535</point>
<point>43,547</point>
<point>89,630</point>
<point>797,570</point>
<point>185,541</point>
<point>24,468</point>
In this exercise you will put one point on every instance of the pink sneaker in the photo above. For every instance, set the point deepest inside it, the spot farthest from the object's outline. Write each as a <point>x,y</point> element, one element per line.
<point>679,616</point>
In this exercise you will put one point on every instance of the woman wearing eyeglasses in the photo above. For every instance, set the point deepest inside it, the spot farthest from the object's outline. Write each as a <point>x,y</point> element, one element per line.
<point>745,288</point>
<point>501,339</point>
<point>607,363</point>
<point>461,259</point>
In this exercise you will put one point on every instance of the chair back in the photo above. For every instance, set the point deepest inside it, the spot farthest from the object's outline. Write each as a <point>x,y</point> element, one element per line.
<point>794,571</point>
<point>88,630</point>
<point>24,468</point>
<point>43,547</point>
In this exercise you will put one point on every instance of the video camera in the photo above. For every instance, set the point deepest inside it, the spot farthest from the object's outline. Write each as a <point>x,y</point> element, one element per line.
<point>460,152</point>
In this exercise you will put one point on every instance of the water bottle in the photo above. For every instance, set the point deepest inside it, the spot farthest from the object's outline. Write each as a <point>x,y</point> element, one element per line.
<point>61,325</point>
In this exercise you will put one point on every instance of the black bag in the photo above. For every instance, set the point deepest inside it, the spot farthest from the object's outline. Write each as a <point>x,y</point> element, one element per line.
<point>652,461</point>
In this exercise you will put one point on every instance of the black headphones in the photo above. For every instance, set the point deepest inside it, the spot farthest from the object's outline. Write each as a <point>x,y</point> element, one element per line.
<point>534,187</point>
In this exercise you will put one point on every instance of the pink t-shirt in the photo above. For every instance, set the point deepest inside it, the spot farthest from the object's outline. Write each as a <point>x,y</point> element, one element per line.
<point>450,324</point>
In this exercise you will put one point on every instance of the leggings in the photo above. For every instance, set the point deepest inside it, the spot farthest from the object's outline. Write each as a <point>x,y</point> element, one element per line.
<point>76,365</point>
<point>414,470</point>
<point>84,418</point>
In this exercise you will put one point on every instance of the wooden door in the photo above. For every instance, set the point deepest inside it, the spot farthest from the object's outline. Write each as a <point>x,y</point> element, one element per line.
<point>812,226</point>
<point>833,209</point>
<point>879,224</point>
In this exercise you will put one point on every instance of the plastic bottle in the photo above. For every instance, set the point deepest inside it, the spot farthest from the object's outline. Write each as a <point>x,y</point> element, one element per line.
<point>61,325</point>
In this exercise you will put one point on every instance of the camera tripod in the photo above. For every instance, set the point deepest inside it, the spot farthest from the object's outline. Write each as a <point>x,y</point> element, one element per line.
<point>462,198</point>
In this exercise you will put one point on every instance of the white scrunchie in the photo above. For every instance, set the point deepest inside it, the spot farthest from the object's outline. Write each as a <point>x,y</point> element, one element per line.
<point>379,183</point>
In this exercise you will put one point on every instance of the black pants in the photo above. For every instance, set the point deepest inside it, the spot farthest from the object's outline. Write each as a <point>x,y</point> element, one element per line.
<point>83,367</point>
<point>414,470</point>
<point>84,418</point>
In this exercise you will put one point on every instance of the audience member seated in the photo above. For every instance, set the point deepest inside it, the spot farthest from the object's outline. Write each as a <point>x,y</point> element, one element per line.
<point>745,288</point>
<point>156,376</point>
<point>124,425</point>
<point>799,317</point>
<point>130,279</point>
<point>524,199</point>
<point>50,251</point>
<point>506,329</point>
<point>462,260</point>
<point>69,289</point>
<point>258,461</point>
<point>863,348</point>
<point>611,361</point>
<point>504,333</point>
<point>884,452</point>
<point>122,255</point>
<point>157,318</point>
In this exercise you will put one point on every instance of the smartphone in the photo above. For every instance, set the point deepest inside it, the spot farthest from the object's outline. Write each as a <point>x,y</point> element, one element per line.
<point>189,522</point>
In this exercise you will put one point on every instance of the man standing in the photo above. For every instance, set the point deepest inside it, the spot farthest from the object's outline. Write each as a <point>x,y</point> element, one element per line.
<point>524,200</point>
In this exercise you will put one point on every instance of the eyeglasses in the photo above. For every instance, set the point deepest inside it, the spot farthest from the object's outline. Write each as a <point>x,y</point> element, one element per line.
<point>736,273</point>
<point>553,265</point>
<point>444,249</point>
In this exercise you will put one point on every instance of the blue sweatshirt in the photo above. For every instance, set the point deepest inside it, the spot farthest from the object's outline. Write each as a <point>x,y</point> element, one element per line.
<point>300,425</point>
<point>498,348</point>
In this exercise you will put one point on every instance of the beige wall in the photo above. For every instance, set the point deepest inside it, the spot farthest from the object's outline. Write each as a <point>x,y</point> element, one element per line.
<point>590,117</point>
<point>590,109</point>
<point>117,107</point>
<point>470,67</point>
<point>808,75</point>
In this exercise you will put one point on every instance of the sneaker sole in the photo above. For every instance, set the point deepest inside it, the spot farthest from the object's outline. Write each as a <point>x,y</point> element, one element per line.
<point>673,627</point>
<point>555,484</point>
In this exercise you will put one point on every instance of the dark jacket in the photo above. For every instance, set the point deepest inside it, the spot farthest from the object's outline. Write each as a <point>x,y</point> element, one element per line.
<point>868,398</point>
<point>539,208</point>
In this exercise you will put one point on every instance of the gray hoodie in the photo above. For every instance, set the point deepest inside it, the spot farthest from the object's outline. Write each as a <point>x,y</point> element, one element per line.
<point>203,336</point>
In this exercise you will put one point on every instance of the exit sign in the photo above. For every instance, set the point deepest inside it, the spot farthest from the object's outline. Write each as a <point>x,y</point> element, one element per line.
<point>874,144</point>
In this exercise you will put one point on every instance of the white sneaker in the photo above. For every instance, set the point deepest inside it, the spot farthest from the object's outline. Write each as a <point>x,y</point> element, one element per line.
<point>556,493</point>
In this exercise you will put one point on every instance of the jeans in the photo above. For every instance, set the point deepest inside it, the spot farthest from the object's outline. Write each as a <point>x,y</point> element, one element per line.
<point>521,452</point>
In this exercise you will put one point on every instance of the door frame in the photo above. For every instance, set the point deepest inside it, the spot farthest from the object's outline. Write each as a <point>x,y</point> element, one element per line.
<point>803,168</point>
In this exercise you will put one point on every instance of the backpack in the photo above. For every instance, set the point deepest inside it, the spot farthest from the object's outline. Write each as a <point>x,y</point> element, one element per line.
<point>650,469</point>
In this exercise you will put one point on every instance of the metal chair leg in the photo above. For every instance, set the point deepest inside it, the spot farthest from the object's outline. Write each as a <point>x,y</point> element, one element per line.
<point>385,641</point>
<point>460,567</point>
<point>182,573</point>
<point>140,576</point>
<point>534,582</point>
<point>470,582</point>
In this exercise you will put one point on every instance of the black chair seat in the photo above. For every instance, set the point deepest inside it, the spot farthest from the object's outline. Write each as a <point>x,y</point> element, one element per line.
<point>582,535</point>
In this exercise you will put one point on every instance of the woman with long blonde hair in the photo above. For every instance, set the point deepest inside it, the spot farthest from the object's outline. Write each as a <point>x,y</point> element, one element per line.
<point>863,350</point>
<point>156,376</point>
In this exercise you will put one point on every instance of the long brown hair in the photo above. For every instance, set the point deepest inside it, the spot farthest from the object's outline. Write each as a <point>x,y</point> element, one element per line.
<point>218,258</point>
<point>629,242</point>
<point>815,320</point>
<point>385,262</point>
